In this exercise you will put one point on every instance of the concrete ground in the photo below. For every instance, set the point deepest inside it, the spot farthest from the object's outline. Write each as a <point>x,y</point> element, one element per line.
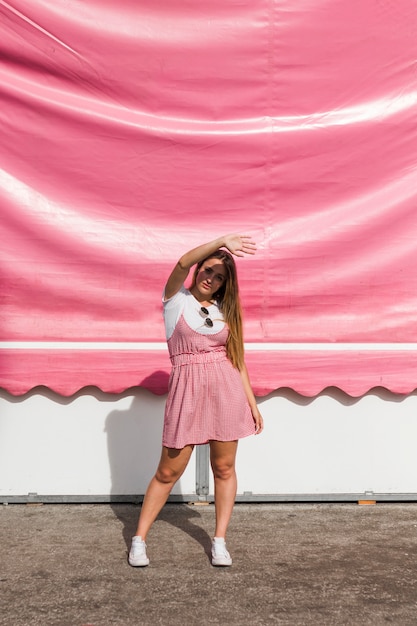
<point>293,564</point>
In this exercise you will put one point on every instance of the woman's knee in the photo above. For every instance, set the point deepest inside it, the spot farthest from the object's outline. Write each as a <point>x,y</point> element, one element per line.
<point>223,468</point>
<point>222,458</point>
<point>172,464</point>
<point>167,475</point>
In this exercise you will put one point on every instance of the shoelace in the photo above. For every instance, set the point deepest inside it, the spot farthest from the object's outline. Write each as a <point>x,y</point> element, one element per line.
<point>220,550</point>
<point>139,548</point>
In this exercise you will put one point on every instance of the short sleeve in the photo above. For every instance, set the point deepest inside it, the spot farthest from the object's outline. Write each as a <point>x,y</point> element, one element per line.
<point>172,310</point>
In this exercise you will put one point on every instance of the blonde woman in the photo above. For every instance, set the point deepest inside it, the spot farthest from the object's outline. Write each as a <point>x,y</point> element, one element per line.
<point>210,399</point>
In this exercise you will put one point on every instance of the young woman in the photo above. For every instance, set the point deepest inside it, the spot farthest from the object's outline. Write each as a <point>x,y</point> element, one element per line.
<point>210,399</point>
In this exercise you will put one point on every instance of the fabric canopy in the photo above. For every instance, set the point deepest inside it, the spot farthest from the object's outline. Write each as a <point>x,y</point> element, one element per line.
<point>133,131</point>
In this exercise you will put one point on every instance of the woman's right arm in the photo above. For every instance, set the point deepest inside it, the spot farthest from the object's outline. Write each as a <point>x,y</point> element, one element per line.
<point>239,245</point>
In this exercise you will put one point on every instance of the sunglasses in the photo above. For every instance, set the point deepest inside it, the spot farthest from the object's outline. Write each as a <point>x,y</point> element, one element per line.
<point>204,313</point>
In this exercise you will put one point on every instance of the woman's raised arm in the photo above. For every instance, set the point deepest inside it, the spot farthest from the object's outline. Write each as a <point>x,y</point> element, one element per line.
<point>239,245</point>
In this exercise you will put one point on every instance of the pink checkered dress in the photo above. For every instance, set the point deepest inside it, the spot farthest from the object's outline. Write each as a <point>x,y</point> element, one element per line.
<point>206,399</point>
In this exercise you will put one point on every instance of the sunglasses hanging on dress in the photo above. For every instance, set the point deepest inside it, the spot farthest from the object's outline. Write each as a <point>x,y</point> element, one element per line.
<point>204,313</point>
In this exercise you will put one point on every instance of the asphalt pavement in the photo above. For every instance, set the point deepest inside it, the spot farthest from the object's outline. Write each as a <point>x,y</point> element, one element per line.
<point>293,564</point>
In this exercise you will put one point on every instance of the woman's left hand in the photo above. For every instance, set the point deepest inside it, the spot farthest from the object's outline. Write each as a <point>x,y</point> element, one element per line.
<point>239,245</point>
<point>258,419</point>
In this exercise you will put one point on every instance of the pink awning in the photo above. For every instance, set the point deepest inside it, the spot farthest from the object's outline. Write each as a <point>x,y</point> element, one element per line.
<point>131,132</point>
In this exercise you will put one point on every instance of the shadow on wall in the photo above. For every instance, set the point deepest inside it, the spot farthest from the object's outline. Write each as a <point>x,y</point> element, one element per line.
<point>134,443</point>
<point>134,437</point>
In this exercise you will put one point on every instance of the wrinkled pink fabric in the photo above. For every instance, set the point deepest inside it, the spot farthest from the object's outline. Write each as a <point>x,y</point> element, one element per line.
<point>131,132</point>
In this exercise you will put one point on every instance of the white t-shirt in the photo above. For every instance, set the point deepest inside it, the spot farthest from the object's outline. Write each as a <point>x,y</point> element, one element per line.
<point>184,302</point>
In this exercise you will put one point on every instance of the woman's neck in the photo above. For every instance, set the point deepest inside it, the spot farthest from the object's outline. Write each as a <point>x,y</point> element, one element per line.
<point>200,298</point>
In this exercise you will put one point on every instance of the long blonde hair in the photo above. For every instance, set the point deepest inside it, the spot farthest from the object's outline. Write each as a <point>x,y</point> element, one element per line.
<point>228,300</point>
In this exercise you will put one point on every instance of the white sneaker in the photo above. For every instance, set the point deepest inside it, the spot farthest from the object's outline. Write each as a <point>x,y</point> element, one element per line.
<point>137,554</point>
<point>219,553</point>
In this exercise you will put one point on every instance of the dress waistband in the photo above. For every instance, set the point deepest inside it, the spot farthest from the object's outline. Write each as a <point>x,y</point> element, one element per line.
<point>198,357</point>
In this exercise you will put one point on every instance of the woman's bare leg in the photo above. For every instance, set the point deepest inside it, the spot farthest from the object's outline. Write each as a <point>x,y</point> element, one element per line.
<point>223,458</point>
<point>170,469</point>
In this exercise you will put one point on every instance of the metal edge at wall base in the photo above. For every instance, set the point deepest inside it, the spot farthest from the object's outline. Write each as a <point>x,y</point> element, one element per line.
<point>245,498</point>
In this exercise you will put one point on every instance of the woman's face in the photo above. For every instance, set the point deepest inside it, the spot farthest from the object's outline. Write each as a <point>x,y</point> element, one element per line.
<point>210,277</point>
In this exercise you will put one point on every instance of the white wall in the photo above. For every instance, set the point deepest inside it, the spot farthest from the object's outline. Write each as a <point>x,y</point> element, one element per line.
<point>91,445</point>
<point>333,444</point>
<point>96,445</point>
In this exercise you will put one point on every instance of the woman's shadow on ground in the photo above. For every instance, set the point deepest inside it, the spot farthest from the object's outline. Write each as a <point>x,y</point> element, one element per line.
<point>181,516</point>
<point>134,446</point>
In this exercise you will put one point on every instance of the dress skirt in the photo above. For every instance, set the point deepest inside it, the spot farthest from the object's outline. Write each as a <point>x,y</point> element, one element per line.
<point>206,398</point>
